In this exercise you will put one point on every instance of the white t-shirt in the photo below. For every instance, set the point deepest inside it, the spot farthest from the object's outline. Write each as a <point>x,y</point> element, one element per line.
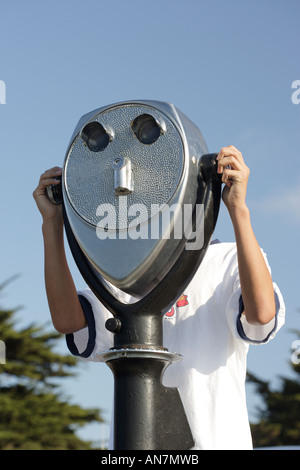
<point>206,327</point>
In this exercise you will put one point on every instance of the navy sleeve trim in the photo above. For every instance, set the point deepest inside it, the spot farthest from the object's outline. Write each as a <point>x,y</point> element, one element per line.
<point>89,315</point>
<point>240,328</point>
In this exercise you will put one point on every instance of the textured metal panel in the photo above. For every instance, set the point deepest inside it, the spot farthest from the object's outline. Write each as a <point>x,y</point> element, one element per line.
<point>156,168</point>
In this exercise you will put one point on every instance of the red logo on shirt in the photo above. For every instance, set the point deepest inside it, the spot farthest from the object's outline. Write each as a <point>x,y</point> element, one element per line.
<point>170,313</point>
<point>181,302</point>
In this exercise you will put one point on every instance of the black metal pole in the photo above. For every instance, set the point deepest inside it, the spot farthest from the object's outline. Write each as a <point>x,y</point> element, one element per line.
<point>147,415</point>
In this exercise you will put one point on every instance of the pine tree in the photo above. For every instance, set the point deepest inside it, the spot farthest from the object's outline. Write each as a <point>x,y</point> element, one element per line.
<point>33,413</point>
<point>279,417</point>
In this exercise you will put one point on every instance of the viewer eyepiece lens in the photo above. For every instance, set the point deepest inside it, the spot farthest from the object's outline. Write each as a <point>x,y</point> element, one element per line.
<point>95,136</point>
<point>146,129</point>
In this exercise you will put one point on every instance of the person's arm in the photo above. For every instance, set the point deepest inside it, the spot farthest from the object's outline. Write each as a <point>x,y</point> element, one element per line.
<point>256,281</point>
<point>65,308</point>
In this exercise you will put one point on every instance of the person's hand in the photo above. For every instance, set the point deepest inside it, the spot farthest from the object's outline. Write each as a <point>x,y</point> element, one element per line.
<point>235,176</point>
<point>45,206</point>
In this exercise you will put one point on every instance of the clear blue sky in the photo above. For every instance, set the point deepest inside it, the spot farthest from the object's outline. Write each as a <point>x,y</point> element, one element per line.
<point>228,65</point>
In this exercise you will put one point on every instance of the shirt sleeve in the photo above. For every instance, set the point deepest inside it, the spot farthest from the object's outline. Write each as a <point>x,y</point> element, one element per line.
<point>89,342</point>
<point>240,328</point>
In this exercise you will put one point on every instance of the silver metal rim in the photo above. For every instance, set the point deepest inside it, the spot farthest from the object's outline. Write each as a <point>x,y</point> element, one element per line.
<point>138,353</point>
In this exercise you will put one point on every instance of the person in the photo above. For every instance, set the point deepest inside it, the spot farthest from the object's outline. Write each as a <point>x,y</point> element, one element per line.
<point>230,303</point>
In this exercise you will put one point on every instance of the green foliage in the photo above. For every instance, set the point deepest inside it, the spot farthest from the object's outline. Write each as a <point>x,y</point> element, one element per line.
<point>33,413</point>
<point>279,417</point>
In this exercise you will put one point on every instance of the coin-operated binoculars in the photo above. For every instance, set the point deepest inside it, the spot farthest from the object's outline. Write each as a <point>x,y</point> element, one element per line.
<point>141,198</point>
